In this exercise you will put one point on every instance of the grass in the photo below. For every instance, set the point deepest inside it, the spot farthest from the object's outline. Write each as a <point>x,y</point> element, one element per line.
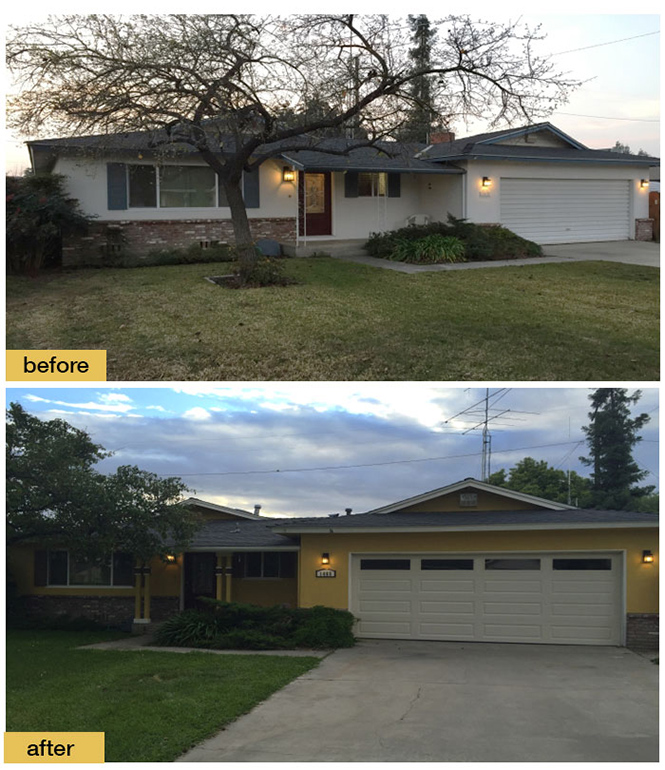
<point>152,706</point>
<point>581,321</point>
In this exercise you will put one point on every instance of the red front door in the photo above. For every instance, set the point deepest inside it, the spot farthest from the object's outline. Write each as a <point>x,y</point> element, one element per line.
<point>314,203</point>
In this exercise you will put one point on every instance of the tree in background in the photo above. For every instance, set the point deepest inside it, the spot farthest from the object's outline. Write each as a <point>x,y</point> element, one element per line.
<point>536,477</point>
<point>56,497</point>
<point>422,112</point>
<point>611,436</point>
<point>625,149</point>
<point>217,84</point>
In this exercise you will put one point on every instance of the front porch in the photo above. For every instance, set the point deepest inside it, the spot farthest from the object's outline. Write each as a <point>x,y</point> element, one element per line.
<point>317,247</point>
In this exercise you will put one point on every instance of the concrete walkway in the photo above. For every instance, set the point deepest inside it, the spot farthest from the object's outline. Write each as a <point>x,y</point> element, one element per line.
<point>138,643</point>
<point>628,252</point>
<point>454,702</point>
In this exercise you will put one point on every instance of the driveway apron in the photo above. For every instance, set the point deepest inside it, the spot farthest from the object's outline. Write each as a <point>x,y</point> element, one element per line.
<point>454,702</point>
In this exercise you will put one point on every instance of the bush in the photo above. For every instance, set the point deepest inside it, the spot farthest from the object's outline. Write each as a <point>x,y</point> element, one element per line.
<point>429,250</point>
<point>193,254</point>
<point>224,625</point>
<point>481,242</point>
<point>39,213</point>
<point>266,271</point>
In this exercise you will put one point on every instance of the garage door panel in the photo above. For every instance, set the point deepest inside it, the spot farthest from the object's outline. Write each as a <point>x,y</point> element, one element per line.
<point>566,210</point>
<point>579,602</point>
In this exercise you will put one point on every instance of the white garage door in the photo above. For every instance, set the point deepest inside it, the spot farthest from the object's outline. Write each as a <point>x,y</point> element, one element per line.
<point>542,598</point>
<point>566,210</point>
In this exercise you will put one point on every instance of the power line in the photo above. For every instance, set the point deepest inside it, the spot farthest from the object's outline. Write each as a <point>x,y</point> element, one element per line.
<point>609,117</point>
<point>610,42</point>
<point>365,465</point>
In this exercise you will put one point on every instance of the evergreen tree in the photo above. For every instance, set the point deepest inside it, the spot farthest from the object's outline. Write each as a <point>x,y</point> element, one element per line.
<point>611,436</point>
<point>422,114</point>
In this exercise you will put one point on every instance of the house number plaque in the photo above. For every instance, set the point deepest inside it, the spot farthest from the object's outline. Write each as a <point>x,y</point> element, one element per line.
<point>326,573</point>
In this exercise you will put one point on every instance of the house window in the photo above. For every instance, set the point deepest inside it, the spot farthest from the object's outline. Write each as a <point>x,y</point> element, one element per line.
<point>187,187</point>
<point>270,564</point>
<point>65,569</point>
<point>372,185</point>
<point>142,182</point>
<point>174,187</point>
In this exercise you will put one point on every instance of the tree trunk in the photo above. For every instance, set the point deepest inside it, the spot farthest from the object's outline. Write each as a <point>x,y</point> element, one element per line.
<point>247,253</point>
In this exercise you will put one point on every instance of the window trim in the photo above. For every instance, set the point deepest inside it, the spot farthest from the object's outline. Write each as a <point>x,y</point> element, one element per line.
<point>155,167</point>
<point>78,585</point>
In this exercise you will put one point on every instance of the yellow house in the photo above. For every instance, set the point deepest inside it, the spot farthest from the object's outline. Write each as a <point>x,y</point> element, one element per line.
<point>466,562</point>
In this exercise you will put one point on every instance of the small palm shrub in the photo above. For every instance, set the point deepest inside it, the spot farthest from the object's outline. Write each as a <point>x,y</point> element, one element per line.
<point>430,250</point>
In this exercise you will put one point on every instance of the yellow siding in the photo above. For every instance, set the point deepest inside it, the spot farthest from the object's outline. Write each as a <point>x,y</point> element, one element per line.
<point>642,579</point>
<point>487,501</point>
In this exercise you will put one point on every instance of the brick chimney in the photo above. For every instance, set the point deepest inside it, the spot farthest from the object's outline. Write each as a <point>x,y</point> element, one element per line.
<point>437,137</point>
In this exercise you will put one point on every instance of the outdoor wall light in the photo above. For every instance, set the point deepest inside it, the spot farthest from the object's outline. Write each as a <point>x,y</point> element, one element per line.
<point>170,558</point>
<point>288,174</point>
<point>325,558</point>
<point>647,557</point>
<point>644,183</point>
<point>487,182</point>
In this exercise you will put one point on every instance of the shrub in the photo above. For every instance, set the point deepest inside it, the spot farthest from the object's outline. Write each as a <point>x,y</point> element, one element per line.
<point>224,625</point>
<point>39,213</point>
<point>431,249</point>
<point>193,254</point>
<point>266,271</point>
<point>481,242</point>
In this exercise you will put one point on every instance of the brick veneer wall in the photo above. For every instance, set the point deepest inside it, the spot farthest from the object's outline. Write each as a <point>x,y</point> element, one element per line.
<point>644,229</point>
<point>642,631</point>
<point>108,610</point>
<point>141,237</point>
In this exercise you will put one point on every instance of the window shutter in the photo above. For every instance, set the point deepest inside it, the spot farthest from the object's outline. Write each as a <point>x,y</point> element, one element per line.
<point>351,184</point>
<point>394,185</point>
<point>116,180</point>
<point>250,183</point>
<point>41,568</point>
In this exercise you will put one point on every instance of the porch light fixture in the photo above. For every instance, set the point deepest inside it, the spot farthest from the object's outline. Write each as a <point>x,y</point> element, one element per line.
<point>647,557</point>
<point>487,182</point>
<point>170,558</point>
<point>325,558</point>
<point>644,183</point>
<point>288,174</point>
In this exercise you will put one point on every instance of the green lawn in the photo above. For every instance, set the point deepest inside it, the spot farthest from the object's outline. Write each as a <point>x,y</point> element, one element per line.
<point>152,706</point>
<point>581,321</point>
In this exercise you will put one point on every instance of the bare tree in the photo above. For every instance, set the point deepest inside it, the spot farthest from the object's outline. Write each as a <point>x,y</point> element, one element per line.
<point>218,84</point>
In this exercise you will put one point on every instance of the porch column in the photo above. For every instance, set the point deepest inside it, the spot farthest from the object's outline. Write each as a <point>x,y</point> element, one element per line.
<point>138,582</point>
<point>219,576</point>
<point>146,595</point>
<point>228,574</point>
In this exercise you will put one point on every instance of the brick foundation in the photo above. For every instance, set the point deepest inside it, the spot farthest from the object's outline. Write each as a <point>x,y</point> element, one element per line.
<point>107,610</point>
<point>642,632</point>
<point>138,238</point>
<point>644,229</point>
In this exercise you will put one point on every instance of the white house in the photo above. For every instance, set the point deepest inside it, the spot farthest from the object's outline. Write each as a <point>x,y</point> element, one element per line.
<point>535,180</point>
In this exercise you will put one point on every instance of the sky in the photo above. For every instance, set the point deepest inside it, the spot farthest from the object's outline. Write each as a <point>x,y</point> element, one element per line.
<point>292,447</point>
<point>618,101</point>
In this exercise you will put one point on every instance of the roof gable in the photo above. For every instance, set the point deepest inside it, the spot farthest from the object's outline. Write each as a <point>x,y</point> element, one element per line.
<point>442,499</point>
<point>212,511</point>
<point>541,134</point>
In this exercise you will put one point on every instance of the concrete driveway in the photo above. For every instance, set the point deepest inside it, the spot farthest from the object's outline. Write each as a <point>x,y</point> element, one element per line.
<point>630,252</point>
<point>454,702</point>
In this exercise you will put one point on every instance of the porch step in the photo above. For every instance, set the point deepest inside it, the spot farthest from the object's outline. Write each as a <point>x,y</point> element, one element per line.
<point>330,248</point>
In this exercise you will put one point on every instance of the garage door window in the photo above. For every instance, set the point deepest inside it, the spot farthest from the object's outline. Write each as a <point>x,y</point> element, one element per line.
<point>579,564</point>
<point>514,564</point>
<point>400,564</point>
<point>446,564</point>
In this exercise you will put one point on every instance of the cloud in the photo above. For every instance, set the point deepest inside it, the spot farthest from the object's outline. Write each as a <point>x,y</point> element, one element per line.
<point>197,413</point>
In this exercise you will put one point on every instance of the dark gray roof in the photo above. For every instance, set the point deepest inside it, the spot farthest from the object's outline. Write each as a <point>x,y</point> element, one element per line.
<point>387,156</point>
<point>241,533</point>
<point>478,519</point>
<point>465,150</point>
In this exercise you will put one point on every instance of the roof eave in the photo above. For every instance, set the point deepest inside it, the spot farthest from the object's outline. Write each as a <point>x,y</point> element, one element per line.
<point>336,530</point>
